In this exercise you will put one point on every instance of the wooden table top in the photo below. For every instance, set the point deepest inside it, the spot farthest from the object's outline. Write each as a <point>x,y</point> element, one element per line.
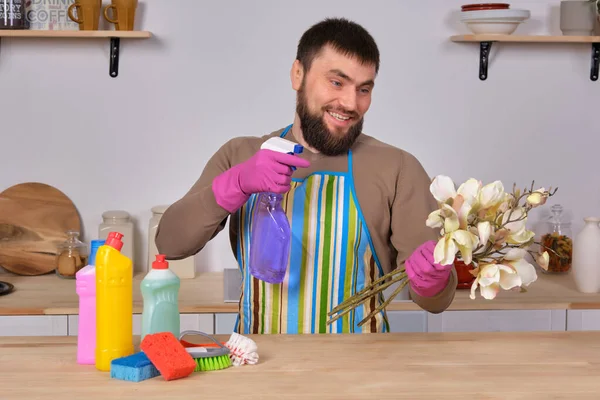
<point>51,295</point>
<point>493,365</point>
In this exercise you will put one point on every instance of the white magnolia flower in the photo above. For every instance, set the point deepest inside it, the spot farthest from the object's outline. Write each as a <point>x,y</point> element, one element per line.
<point>518,232</point>
<point>442,188</point>
<point>462,201</point>
<point>492,195</point>
<point>447,247</point>
<point>512,272</point>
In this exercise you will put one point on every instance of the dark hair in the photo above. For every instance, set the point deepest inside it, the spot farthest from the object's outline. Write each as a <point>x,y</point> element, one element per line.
<point>344,36</point>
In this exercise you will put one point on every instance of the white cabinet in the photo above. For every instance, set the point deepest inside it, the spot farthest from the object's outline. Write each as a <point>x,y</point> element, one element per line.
<point>400,321</point>
<point>225,323</point>
<point>197,322</point>
<point>497,321</point>
<point>583,320</point>
<point>33,325</point>
<point>407,321</point>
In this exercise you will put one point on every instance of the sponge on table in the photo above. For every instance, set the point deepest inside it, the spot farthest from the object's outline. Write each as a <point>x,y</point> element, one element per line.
<point>136,367</point>
<point>168,355</point>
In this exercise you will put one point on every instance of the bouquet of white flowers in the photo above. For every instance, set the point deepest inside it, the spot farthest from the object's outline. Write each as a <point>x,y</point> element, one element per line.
<point>485,228</point>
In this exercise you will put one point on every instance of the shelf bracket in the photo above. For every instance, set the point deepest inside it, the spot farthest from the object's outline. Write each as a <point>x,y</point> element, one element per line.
<point>595,61</point>
<point>484,56</point>
<point>114,56</point>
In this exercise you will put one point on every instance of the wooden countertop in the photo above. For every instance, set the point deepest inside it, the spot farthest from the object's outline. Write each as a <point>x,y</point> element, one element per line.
<point>493,365</point>
<point>51,295</point>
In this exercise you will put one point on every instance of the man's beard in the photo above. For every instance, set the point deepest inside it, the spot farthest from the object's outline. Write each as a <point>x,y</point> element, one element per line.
<point>318,136</point>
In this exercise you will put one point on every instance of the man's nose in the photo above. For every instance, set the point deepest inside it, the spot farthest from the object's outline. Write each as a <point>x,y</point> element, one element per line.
<point>348,99</point>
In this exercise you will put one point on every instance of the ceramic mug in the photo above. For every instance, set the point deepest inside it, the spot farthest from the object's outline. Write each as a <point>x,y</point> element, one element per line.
<point>577,18</point>
<point>123,12</point>
<point>88,13</point>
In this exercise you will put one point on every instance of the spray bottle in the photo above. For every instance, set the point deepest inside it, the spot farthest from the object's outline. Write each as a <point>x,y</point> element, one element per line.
<point>160,292</point>
<point>85,286</point>
<point>270,246</point>
<point>114,303</point>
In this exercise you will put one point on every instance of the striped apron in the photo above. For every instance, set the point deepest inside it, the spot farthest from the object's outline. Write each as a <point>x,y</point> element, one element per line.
<point>331,258</point>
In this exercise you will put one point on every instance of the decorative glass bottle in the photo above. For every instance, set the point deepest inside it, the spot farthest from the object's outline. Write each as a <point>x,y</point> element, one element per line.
<point>558,242</point>
<point>586,257</point>
<point>72,256</point>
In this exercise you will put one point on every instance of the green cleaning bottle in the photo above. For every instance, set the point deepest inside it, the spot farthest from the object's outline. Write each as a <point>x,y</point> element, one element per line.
<point>160,293</point>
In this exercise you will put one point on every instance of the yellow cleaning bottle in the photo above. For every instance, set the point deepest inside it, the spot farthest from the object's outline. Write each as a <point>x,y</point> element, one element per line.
<point>114,303</point>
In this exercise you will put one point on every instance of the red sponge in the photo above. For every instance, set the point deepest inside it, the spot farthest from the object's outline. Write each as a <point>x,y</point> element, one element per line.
<point>168,355</point>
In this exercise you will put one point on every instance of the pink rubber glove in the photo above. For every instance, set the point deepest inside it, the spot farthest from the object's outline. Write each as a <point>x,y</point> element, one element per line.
<point>426,277</point>
<point>265,171</point>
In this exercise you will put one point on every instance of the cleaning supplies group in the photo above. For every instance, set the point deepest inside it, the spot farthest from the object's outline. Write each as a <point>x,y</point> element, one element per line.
<point>105,333</point>
<point>105,289</point>
<point>162,354</point>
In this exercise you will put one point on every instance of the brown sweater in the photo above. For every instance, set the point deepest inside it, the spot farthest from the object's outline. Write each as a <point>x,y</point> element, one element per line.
<point>391,185</point>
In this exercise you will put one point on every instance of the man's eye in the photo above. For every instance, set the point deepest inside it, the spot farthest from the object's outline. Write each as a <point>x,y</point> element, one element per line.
<point>336,83</point>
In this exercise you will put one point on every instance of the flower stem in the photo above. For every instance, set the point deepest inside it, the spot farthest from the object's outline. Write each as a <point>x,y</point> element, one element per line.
<point>369,290</point>
<point>358,299</point>
<point>385,304</point>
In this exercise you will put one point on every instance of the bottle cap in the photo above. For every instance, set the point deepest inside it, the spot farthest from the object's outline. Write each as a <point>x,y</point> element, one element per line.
<point>160,262</point>
<point>114,240</point>
<point>98,242</point>
<point>95,245</point>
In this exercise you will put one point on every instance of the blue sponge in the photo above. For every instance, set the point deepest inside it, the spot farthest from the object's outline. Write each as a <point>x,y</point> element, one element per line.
<point>136,367</point>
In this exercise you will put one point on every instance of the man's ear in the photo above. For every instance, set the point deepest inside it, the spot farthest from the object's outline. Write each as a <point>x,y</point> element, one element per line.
<point>296,75</point>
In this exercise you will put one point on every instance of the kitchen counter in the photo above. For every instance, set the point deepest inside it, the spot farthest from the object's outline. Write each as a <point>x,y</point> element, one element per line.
<point>498,365</point>
<point>51,295</point>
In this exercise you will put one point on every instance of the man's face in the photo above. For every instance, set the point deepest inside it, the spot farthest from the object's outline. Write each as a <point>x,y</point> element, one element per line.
<point>332,100</point>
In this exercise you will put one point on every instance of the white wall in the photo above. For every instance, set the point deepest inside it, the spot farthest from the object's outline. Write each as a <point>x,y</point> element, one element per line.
<point>218,69</point>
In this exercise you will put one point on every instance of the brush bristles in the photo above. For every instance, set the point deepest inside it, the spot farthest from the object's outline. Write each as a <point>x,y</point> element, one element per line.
<point>212,363</point>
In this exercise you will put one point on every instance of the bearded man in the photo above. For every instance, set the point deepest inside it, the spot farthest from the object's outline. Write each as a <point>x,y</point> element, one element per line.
<point>356,206</point>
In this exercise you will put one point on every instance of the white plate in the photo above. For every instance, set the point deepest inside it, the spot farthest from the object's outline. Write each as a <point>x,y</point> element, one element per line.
<point>481,15</point>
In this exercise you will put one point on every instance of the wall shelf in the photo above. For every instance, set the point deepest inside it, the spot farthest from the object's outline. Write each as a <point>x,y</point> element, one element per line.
<point>113,35</point>
<point>485,44</point>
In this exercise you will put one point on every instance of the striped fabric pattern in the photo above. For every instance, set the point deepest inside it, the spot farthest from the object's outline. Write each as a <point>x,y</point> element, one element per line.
<point>331,258</point>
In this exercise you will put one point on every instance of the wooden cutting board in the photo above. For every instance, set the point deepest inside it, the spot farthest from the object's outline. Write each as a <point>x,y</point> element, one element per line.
<point>34,219</point>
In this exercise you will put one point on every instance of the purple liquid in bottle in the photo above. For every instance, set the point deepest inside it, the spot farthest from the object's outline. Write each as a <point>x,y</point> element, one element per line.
<point>270,247</point>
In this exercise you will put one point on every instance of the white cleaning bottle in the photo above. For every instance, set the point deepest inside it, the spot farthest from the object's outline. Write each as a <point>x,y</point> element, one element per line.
<point>270,232</point>
<point>160,293</point>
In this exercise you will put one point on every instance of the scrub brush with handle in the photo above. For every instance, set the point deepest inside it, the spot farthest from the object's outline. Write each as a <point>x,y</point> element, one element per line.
<point>210,358</point>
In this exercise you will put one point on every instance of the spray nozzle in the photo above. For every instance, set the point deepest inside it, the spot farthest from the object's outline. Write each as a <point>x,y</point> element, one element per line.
<point>282,145</point>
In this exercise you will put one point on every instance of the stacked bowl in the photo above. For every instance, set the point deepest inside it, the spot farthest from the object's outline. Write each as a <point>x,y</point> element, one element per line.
<point>492,18</point>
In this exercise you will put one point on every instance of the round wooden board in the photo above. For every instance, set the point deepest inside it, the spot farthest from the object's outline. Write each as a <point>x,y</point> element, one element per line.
<point>34,219</point>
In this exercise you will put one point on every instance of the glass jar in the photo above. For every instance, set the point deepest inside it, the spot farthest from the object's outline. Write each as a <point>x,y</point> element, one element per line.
<point>558,242</point>
<point>119,221</point>
<point>72,255</point>
<point>184,268</point>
